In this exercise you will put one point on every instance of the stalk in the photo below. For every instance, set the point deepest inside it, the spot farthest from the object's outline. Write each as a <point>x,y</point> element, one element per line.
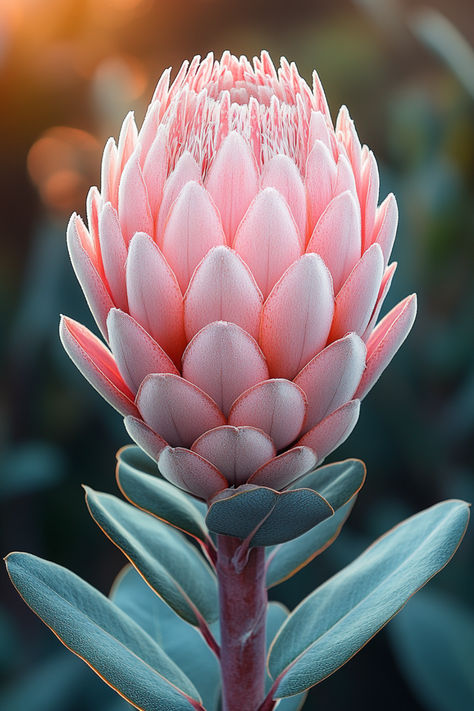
<point>243,605</point>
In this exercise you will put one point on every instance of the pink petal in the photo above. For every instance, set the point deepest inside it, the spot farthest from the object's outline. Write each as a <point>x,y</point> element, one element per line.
<point>344,177</point>
<point>135,351</point>
<point>277,407</point>
<point>96,364</point>
<point>267,239</point>
<point>190,472</point>
<point>127,140</point>
<point>151,443</point>
<point>297,316</point>
<point>383,291</point>
<point>320,178</point>
<point>237,452</point>
<point>385,228</point>
<point>285,469</point>
<point>223,360</point>
<point>149,129</point>
<point>333,430</point>
<point>332,377</point>
<point>177,410</point>
<point>193,228</point>
<point>95,291</point>
<point>370,190</point>
<point>356,299</point>
<point>222,289</point>
<point>318,130</point>
<point>154,296</point>
<point>336,237</point>
<point>346,131</point>
<point>109,173</point>
<point>93,206</point>
<point>155,172</point>
<point>385,341</point>
<point>133,206</point>
<point>281,173</point>
<point>114,254</point>
<point>232,181</point>
<point>186,170</point>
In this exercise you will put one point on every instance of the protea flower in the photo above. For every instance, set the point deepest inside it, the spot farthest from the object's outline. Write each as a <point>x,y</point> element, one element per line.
<point>236,262</point>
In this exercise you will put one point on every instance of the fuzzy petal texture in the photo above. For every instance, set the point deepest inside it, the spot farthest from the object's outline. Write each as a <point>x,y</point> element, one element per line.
<point>155,172</point>
<point>193,228</point>
<point>325,437</point>
<point>186,170</point>
<point>95,291</point>
<point>336,237</point>
<point>383,291</point>
<point>232,181</point>
<point>237,452</point>
<point>320,179</point>
<point>96,364</point>
<point>134,208</point>
<point>331,378</point>
<point>154,296</point>
<point>385,341</point>
<point>223,360</point>
<point>177,410</point>
<point>267,239</point>
<point>297,317</point>
<point>277,407</point>
<point>222,288</point>
<point>356,300</point>
<point>151,443</point>
<point>282,174</point>
<point>187,470</point>
<point>386,222</point>
<point>283,470</point>
<point>114,254</point>
<point>136,353</point>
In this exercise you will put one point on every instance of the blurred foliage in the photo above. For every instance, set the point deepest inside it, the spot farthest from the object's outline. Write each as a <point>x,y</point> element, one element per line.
<point>69,71</point>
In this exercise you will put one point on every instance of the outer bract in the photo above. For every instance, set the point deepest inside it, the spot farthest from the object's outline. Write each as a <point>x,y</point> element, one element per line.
<point>236,261</point>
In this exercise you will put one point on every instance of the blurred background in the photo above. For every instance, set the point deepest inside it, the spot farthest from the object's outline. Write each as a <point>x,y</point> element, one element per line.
<point>69,71</point>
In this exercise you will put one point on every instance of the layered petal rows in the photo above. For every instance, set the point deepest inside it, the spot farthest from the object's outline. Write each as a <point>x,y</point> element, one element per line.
<point>236,260</point>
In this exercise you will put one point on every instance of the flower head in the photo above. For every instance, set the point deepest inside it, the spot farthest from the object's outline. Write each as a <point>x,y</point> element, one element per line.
<point>236,262</point>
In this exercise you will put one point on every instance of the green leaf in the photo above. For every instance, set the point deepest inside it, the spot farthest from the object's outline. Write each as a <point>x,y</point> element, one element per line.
<point>107,639</point>
<point>181,642</point>
<point>433,640</point>
<point>276,616</point>
<point>139,481</point>
<point>338,483</point>
<point>173,567</point>
<point>271,516</point>
<point>342,615</point>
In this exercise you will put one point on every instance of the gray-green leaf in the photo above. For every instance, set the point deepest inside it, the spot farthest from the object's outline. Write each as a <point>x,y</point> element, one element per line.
<point>173,567</point>
<point>107,639</point>
<point>342,615</point>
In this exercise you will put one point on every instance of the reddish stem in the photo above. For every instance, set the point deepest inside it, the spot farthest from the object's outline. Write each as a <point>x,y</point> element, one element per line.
<point>243,605</point>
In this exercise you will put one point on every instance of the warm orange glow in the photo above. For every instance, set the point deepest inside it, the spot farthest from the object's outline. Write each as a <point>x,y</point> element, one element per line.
<point>61,163</point>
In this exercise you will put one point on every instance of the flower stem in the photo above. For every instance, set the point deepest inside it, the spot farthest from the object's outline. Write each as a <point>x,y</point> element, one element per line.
<point>243,606</point>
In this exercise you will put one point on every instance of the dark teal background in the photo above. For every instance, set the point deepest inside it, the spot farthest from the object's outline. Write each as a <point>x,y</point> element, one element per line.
<point>407,76</point>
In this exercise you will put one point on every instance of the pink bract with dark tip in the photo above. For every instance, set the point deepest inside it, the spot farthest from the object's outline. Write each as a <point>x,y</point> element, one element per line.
<point>236,260</point>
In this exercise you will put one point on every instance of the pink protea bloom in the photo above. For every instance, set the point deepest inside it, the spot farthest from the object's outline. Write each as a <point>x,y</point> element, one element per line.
<point>236,261</point>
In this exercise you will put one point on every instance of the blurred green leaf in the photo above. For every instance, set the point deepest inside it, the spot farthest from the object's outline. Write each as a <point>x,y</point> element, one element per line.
<point>28,467</point>
<point>342,615</point>
<point>433,640</point>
